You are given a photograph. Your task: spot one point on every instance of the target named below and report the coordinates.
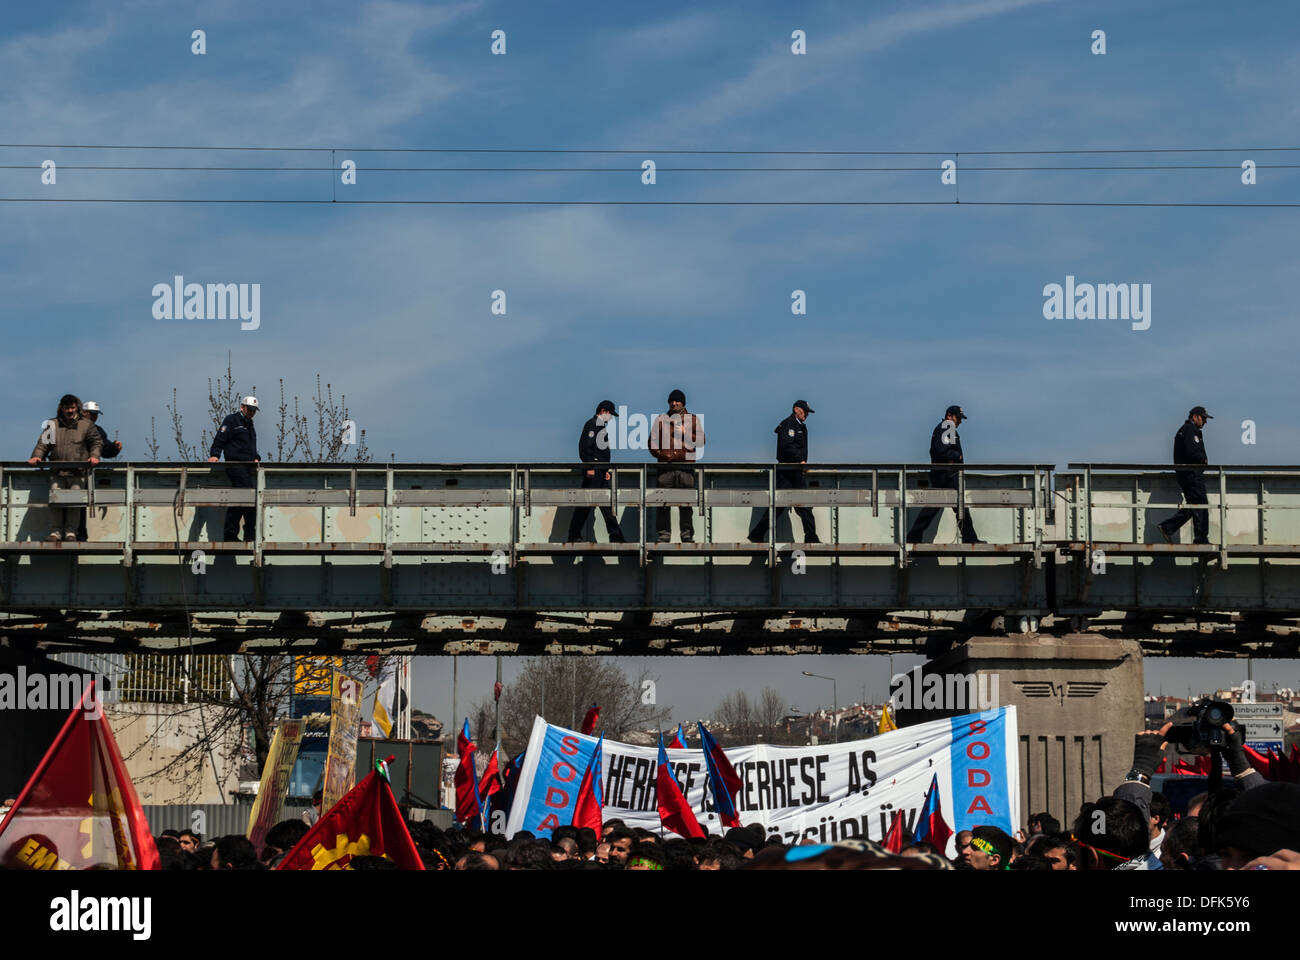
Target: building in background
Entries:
(166, 712)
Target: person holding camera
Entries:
(1115, 832)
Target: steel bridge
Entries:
(436, 558)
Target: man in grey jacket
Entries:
(69, 437)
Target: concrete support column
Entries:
(1078, 703)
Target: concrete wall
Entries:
(151, 738)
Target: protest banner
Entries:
(269, 803)
(827, 792)
(345, 724)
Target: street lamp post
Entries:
(835, 701)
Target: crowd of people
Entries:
(1247, 823)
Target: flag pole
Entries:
(497, 691)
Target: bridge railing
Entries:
(144, 507)
(1118, 506)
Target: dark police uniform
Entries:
(593, 447)
(109, 450)
(791, 447)
(1189, 447)
(237, 439)
(941, 452)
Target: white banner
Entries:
(828, 792)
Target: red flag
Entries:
(366, 822)
(1200, 768)
(79, 809)
(587, 809)
(897, 838)
(674, 812)
(931, 827)
(678, 741)
(469, 805)
(490, 782)
(589, 721)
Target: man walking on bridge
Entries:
(593, 447)
(1189, 447)
(674, 437)
(945, 447)
(791, 447)
(237, 438)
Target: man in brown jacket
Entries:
(674, 437)
(69, 437)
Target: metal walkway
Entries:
(449, 558)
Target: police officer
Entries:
(110, 449)
(593, 447)
(237, 439)
(791, 447)
(1189, 447)
(945, 447)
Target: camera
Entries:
(1199, 726)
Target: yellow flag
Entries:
(886, 722)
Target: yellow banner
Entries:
(345, 722)
(269, 804)
(314, 675)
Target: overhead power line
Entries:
(660, 151)
(661, 169)
(657, 203)
(1205, 154)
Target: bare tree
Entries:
(769, 711)
(299, 437)
(741, 720)
(734, 720)
(568, 685)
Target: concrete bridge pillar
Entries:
(1078, 702)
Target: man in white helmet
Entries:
(110, 449)
(237, 439)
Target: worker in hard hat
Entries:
(110, 449)
(237, 439)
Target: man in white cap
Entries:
(110, 449)
(237, 439)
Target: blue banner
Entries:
(981, 773)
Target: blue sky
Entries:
(910, 308)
